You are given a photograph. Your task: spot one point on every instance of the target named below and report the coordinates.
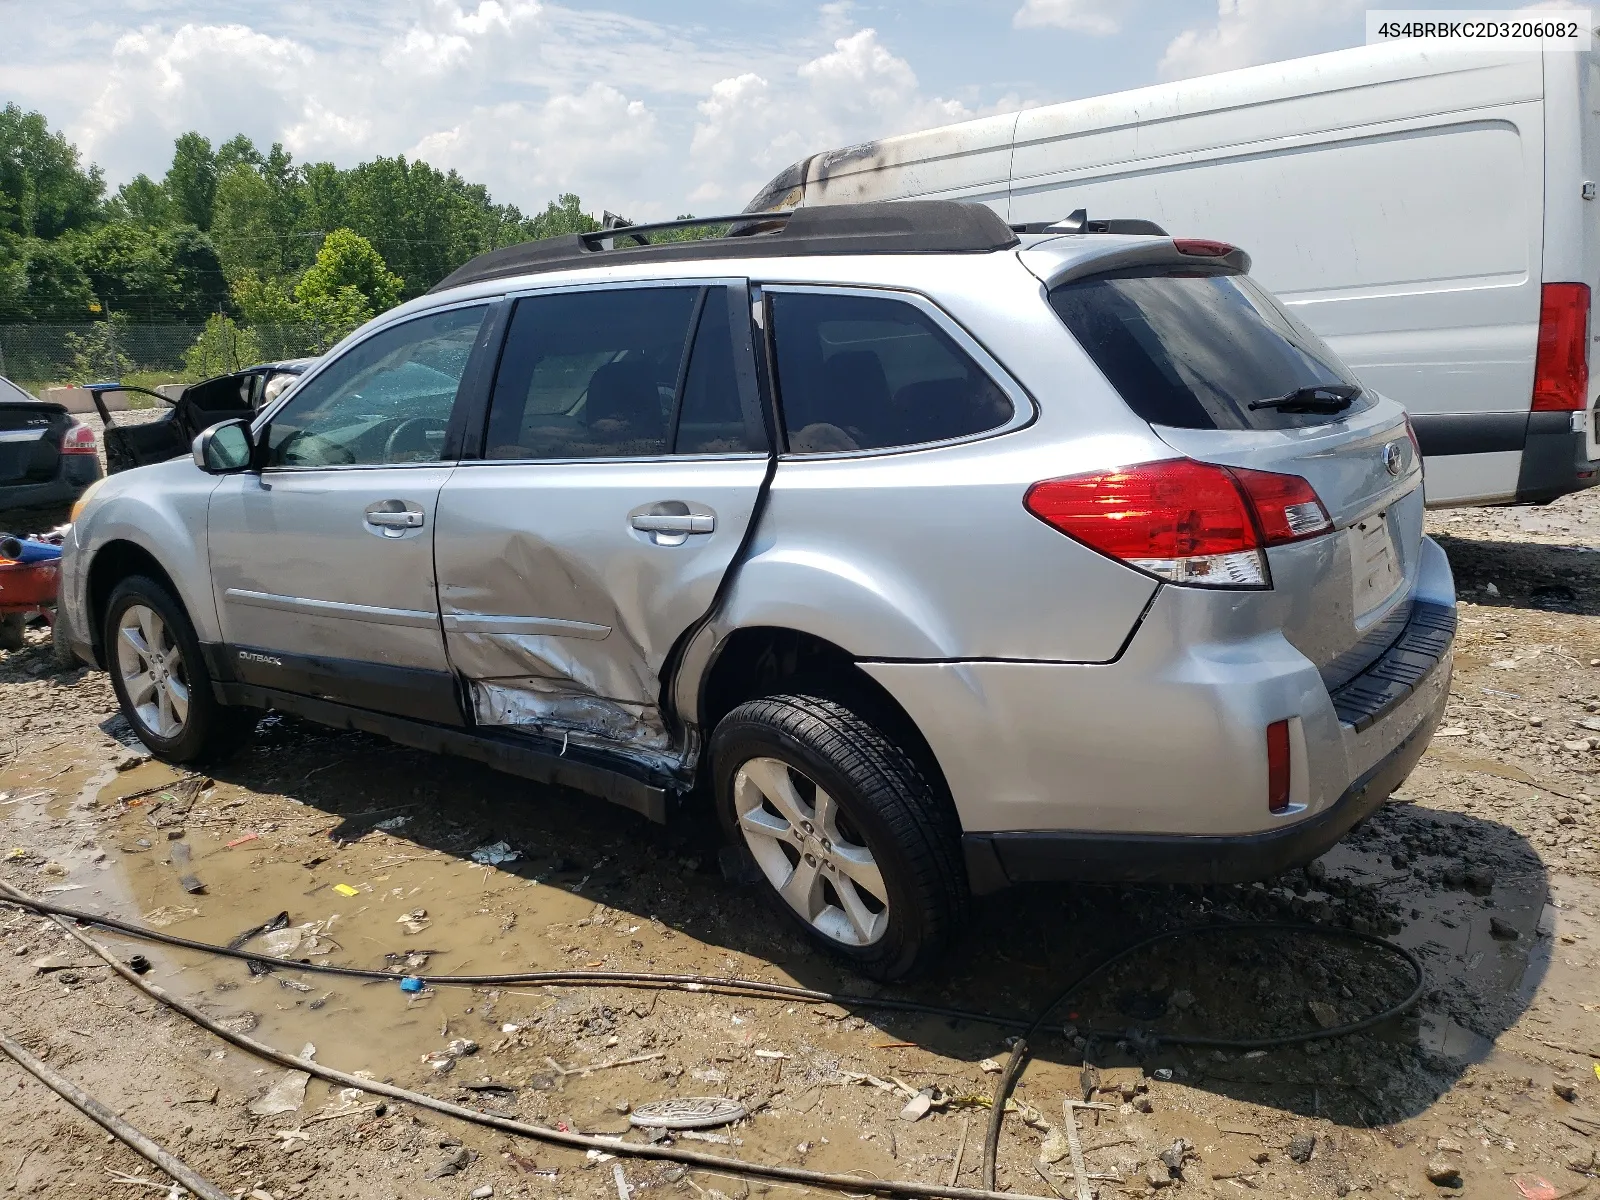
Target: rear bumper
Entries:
(1154, 767)
(998, 860)
(1555, 458)
(59, 492)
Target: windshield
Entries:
(1194, 349)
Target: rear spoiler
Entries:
(1056, 269)
(1078, 222)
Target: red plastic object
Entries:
(1561, 366)
(26, 587)
(1203, 247)
(1278, 767)
(1535, 1187)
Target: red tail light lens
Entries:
(1278, 767)
(79, 439)
(1203, 247)
(1184, 521)
(1561, 370)
(1286, 505)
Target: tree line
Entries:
(232, 230)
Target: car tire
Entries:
(160, 677)
(850, 841)
(61, 652)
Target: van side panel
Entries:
(970, 161)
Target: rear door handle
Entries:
(674, 523)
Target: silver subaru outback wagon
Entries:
(939, 555)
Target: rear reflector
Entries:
(1561, 368)
(1203, 247)
(79, 439)
(1183, 521)
(1278, 767)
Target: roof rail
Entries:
(1078, 222)
(897, 227)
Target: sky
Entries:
(645, 108)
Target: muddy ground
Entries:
(1486, 865)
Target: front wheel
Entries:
(160, 676)
(853, 843)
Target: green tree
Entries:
(40, 281)
(44, 191)
(170, 274)
(191, 180)
(222, 347)
(348, 260)
(565, 215)
(258, 222)
(143, 201)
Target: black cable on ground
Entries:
(780, 991)
(111, 1123)
(1013, 1069)
(900, 1189)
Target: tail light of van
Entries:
(1561, 368)
(79, 439)
(1187, 522)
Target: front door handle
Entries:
(674, 522)
(392, 518)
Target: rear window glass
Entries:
(869, 372)
(1194, 349)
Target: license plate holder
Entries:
(1374, 565)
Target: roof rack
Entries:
(899, 227)
(1078, 222)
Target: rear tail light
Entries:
(1183, 521)
(1203, 247)
(79, 439)
(1278, 767)
(1561, 369)
(1411, 432)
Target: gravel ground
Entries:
(1486, 865)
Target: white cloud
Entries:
(1099, 17)
(527, 96)
(751, 126)
(1247, 32)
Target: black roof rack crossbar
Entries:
(896, 227)
(595, 240)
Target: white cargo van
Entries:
(1431, 214)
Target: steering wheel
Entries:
(409, 436)
(305, 449)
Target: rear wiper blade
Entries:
(1321, 397)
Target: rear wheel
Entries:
(160, 677)
(852, 843)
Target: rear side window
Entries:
(622, 373)
(870, 372)
(1194, 349)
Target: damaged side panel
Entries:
(560, 611)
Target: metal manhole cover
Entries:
(687, 1112)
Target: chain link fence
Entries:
(35, 355)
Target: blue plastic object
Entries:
(411, 984)
(25, 550)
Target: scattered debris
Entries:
(688, 1112)
(287, 1095)
(494, 854)
(1302, 1147)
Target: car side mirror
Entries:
(225, 448)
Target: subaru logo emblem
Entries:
(1393, 458)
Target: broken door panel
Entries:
(625, 453)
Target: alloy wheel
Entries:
(810, 852)
(152, 670)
